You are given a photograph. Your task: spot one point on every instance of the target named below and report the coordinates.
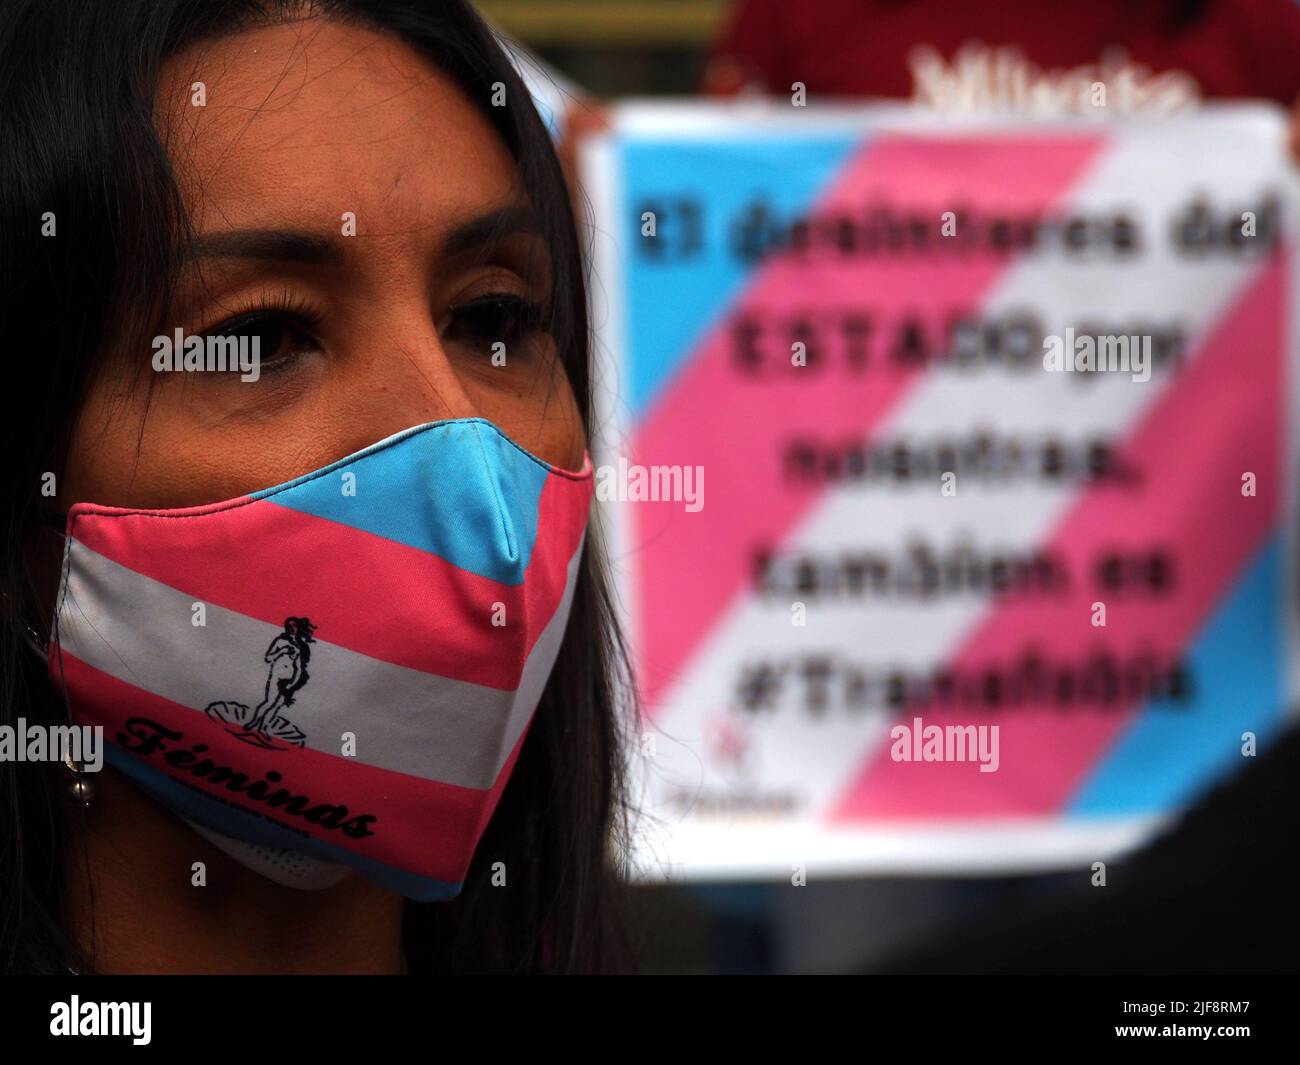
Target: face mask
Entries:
(337, 673)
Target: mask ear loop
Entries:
(34, 642)
(30, 636)
(57, 521)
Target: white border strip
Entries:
(705, 851)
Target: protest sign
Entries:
(948, 468)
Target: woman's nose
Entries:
(408, 375)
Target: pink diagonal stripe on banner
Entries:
(1221, 418)
(692, 566)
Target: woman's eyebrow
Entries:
(296, 246)
(269, 245)
(491, 227)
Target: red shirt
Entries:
(1231, 48)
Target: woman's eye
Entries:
(496, 317)
(275, 338)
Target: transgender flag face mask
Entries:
(337, 673)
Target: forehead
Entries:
(304, 121)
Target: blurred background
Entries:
(618, 47)
(1207, 894)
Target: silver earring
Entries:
(80, 788)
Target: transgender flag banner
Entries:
(948, 470)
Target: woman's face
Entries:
(304, 127)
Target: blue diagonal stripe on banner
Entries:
(673, 300)
(1236, 664)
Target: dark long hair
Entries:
(77, 138)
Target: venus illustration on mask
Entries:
(262, 725)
